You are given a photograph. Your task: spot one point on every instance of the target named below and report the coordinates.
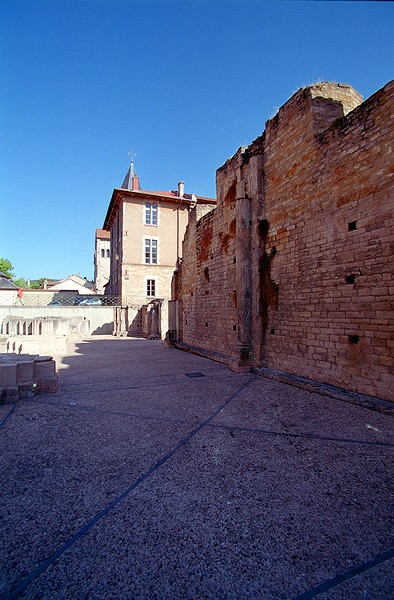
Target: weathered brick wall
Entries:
(330, 210)
(209, 304)
(293, 270)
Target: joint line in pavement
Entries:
(331, 583)
(7, 416)
(51, 559)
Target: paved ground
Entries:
(139, 480)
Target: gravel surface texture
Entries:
(157, 474)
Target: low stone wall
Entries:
(24, 375)
(97, 319)
(35, 344)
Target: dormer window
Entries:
(150, 214)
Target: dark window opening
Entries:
(352, 226)
(350, 279)
(151, 287)
(354, 339)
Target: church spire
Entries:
(131, 181)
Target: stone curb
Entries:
(326, 389)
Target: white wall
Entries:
(101, 318)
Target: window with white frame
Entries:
(151, 287)
(150, 251)
(150, 214)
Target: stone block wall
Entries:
(293, 271)
(77, 320)
(329, 205)
(209, 307)
(24, 375)
(149, 320)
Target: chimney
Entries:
(181, 189)
(135, 183)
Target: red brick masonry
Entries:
(293, 271)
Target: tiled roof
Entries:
(120, 194)
(7, 284)
(171, 195)
(102, 234)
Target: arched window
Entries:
(102, 253)
(108, 253)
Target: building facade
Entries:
(102, 259)
(146, 230)
(72, 283)
(292, 272)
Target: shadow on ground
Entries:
(154, 473)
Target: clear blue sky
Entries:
(182, 84)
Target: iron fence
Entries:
(57, 299)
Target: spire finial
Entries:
(132, 154)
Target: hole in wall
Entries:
(352, 226)
(263, 228)
(234, 327)
(350, 278)
(354, 339)
(273, 331)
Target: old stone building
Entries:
(293, 270)
(146, 230)
(102, 254)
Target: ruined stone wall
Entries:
(208, 267)
(329, 205)
(293, 270)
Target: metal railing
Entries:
(57, 299)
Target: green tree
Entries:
(22, 282)
(37, 284)
(6, 267)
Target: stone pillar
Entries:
(243, 278)
(144, 320)
(45, 375)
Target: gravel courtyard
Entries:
(157, 474)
